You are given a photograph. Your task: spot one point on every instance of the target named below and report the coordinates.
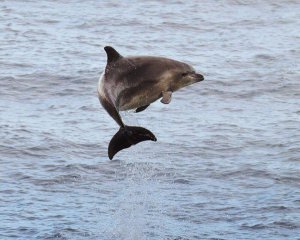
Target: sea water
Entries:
(227, 161)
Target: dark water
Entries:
(227, 161)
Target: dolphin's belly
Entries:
(133, 98)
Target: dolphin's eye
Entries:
(184, 74)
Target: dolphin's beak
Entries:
(198, 77)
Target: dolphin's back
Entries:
(132, 70)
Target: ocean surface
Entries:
(227, 161)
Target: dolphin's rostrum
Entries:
(135, 83)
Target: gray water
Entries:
(227, 161)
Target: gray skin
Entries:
(134, 83)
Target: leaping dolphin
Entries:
(134, 83)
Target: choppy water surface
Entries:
(227, 161)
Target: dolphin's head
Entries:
(185, 77)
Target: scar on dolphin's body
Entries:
(134, 83)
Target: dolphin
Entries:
(135, 82)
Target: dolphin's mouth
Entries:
(198, 77)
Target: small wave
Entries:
(265, 57)
(58, 180)
(275, 208)
(181, 181)
(286, 224)
(49, 21)
(34, 153)
(255, 226)
(67, 234)
(275, 224)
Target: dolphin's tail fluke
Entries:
(127, 136)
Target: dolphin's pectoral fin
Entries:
(141, 108)
(166, 97)
(127, 136)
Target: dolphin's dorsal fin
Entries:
(112, 54)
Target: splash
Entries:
(138, 212)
